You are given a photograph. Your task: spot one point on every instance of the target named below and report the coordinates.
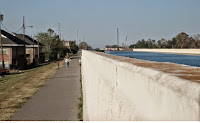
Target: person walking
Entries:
(67, 60)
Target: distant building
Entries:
(67, 43)
(13, 51)
(114, 49)
(102, 48)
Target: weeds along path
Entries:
(16, 89)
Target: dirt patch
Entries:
(16, 89)
(182, 71)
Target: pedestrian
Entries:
(67, 54)
(67, 60)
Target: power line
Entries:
(9, 30)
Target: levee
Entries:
(123, 89)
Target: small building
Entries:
(114, 49)
(13, 51)
(67, 43)
(32, 49)
(41, 49)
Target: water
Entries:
(192, 60)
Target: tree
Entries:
(141, 44)
(85, 46)
(132, 46)
(182, 38)
(56, 47)
(159, 44)
(74, 48)
(174, 42)
(53, 45)
(108, 46)
(197, 40)
(151, 43)
(162, 43)
(191, 43)
(196, 37)
(50, 31)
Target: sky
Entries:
(97, 20)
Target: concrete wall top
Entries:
(121, 88)
(182, 79)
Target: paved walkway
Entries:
(58, 99)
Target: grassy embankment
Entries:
(18, 88)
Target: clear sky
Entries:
(98, 20)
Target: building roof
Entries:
(8, 39)
(35, 41)
(28, 39)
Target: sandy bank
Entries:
(176, 51)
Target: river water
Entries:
(192, 60)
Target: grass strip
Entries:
(80, 106)
(17, 88)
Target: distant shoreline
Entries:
(173, 51)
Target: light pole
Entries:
(1, 19)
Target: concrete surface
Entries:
(115, 89)
(57, 100)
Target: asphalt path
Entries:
(57, 100)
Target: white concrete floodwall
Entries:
(179, 51)
(114, 90)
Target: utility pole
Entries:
(23, 26)
(126, 41)
(23, 29)
(59, 31)
(77, 37)
(3, 65)
(118, 38)
(33, 48)
(38, 52)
